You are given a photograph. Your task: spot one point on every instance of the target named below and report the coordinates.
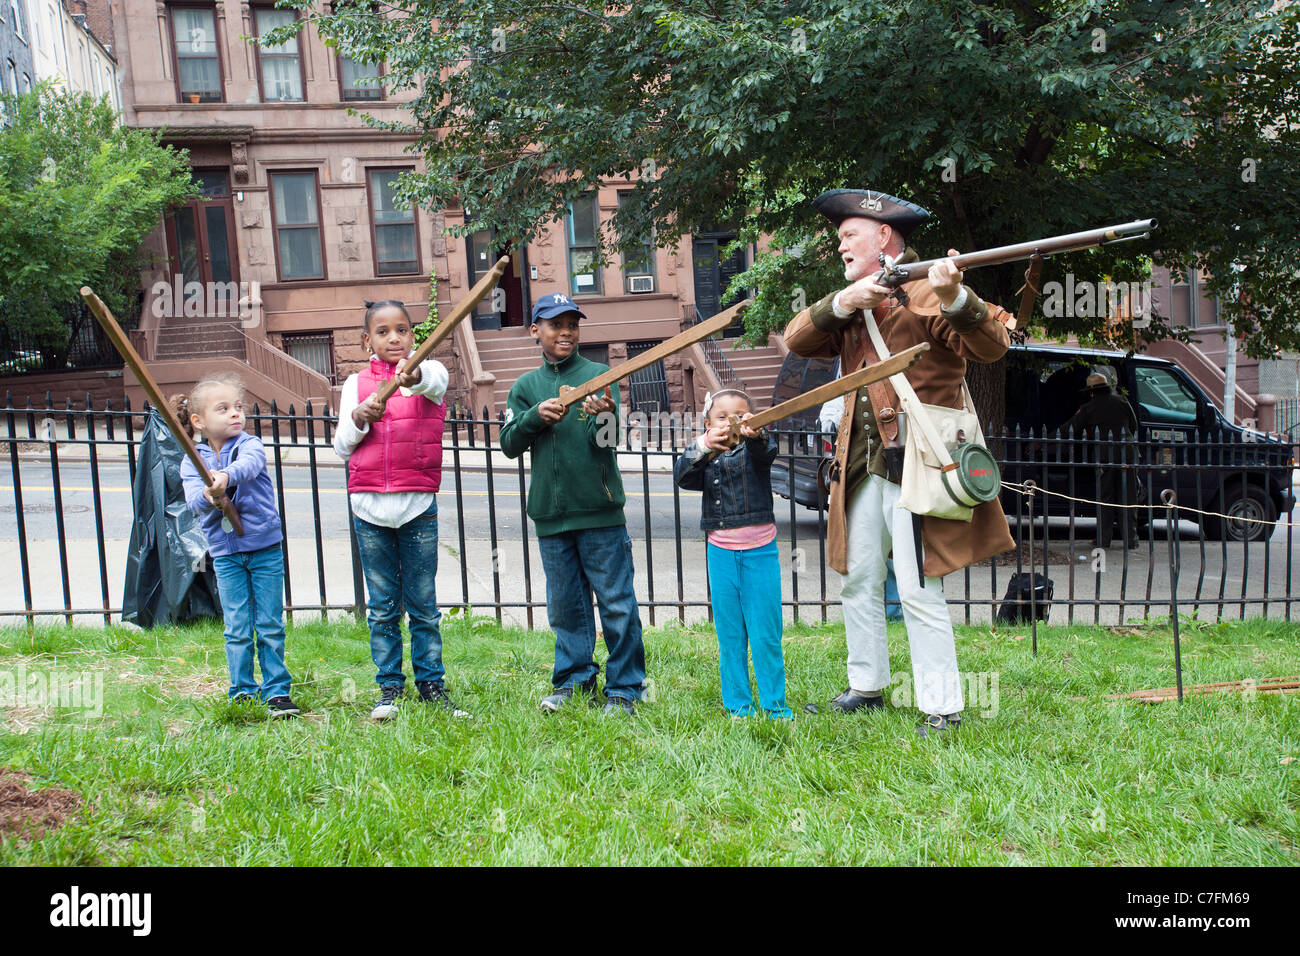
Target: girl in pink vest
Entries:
(394, 457)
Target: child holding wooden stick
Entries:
(249, 567)
(394, 455)
(744, 568)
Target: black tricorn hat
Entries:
(839, 204)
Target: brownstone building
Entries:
(298, 225)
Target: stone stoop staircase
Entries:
(181, 338)
(507, 353)
(758, 368)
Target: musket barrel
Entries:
(1071, 242)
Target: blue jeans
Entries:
(400, 565)
(251, 584)
(576, 564)
(893, 604)
(745, 590)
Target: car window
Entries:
(1163, 397)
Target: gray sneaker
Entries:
(562, 695)
(619, 706)
(389, 696)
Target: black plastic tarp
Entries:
(169, 576)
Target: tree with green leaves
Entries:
(78, 195)
(1008, 119)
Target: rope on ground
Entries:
(1020, 489)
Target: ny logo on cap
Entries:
(561, 297)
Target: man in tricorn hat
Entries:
(864, 520)
(1108, 420)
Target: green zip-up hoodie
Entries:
(575, 482)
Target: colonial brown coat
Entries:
(977, 332)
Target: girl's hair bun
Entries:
(367, 303)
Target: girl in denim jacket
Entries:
(744, 569)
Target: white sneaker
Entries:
(389, 697)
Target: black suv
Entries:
(1183, 440)
(794, 473)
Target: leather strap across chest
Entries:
(882, 397)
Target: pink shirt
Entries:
(743, 539)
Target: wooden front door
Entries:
(201, 239)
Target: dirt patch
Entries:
(1058, 552)
(28, 813)
(197, 685)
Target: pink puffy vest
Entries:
(403, 450)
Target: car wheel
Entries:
(1242, 502)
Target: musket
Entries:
(832, 389)
(895, 274)
(572, 394)
(445, 327)
(151, 389)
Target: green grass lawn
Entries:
(171, 774)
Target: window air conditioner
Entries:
(640, 283)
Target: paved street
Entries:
(467, 572)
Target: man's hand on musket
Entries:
(945, 279)
(865, 294)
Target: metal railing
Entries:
(71, 545)
(717, 359)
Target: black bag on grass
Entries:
(1019, 605)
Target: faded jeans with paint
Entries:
(400, 565)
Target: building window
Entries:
(639, 265)
(584, 232)
(1190, 305)
(295, 216)
(27, 84)
(313, 349)
(359, 81)
(17, 19)
(396, 244)
(281, 67)
(198, 65)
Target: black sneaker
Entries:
(850, 700)
(282, 706)
(434, 692)
(388, 698)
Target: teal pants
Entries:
(746, 598)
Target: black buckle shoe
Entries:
(850, 700)
(936, 725)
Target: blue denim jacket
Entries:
(737, 484)
(243, 458)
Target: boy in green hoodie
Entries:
(575, 498)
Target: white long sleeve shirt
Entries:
(388, 509)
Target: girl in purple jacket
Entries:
(394, 457)
(249, 568)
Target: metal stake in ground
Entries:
(1033, 585)
(1171, 523)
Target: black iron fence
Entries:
(79, 344)
(1223, 545)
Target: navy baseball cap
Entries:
(557, 303)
